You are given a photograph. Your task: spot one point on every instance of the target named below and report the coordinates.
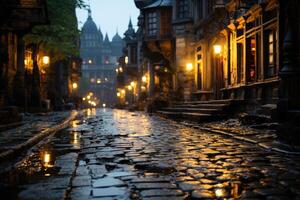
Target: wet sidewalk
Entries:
(265, 137)
(34, 128)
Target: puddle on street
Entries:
(39, 165)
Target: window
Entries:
(210, 4)
(251, 58)
(199, 7)
(199, 68)
(152, 24)
(271, 53)
(165, 24)
(182, 9)
(133, 55)
(240, 62)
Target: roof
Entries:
(117, 38)
(90, 26)
(159, 3)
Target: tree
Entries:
(60, 37)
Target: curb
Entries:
(9, 126)
(244, 139)
(35, 139)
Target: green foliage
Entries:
(60, 37)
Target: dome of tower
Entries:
(117, 38)
(89, 26)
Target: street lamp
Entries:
(132, 83)
(129, 87)
(217, 49)
(46, 60)
(189, 66)
(75, 86)
(126, 60)
(144, 79)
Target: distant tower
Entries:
(117, 45)
(130, 33)
(90, 47)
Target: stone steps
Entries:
(191, 110)
(198, 110)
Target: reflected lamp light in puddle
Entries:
(47, 159)
(75, 139)
(220, 192)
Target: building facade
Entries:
(100, 58)
(228, 49)
(17, 19)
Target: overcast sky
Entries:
(110, 15)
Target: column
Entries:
(289, 96)
(19, 82)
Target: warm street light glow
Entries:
(91, 94)
(104, 105)
(121, 69)
(90, 61)
(132, 83)
(98, 81)
(83, 98)
(143, 88)
(117, 70)
(189, 66)
(217, 49)
(88, 97)
(118, 94)
(129, 87)
(123, 91)
(144, 79)
(75, 85)
(126, 60)
(46, 60)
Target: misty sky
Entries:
(110, 15)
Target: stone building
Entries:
(155, 48)
(100, 57)
(127, 71)
(226, 50)
(16, 20)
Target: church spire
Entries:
(106, 40)
(130, 24)
(89, 13)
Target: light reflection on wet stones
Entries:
(159, 159)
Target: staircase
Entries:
(199, 111)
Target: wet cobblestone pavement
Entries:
(33, 124)
(116, 154)
(135, 156)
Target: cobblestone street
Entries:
(128, 155)
(117, 154)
